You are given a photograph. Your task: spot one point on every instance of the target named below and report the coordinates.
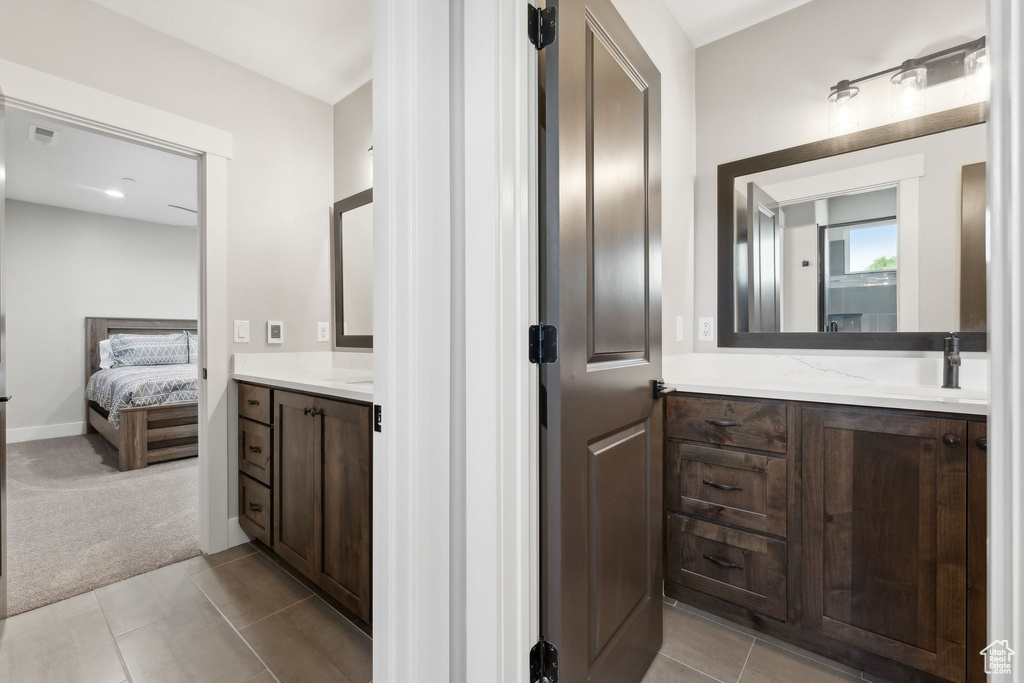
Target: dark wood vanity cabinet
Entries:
(854, 532)
(314, 501)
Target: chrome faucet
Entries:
(951, 361)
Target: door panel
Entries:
(3, 375)
(296, 481)
(601, 480)
(617, 227)
(345, 554)
(763, 248)
(885, 546)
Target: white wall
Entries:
(353, 135)
(63, 266)
(280, 177)
(765, 88)
(666, 44)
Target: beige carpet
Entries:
(76, 523)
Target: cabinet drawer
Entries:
(254, 511)
(255, 450)
(254, 403)
(746, 424)
(742, 489)
(741, 567)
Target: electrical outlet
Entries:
(323, 332)
(705, 329)
(242, 331)
(679, 328)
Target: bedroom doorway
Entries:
(102, 283)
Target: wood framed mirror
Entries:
(352, 271)
(866, 241)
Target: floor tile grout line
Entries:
(688, 666)
(274, 614)
(336, 611)
(746, 660)
(173, 611)
(860, 674)
(222, 564)
(237, 632)
(110, 630)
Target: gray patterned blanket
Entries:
(143, 385)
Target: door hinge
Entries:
(543, 663)
(376, 418)
(204, 373)
(542, 25)
(543, 344)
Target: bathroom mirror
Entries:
(872, 240)
(352, 271)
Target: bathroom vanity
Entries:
(856, 532)
(305, 468)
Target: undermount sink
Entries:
(935, 392)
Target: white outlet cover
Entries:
(242, 331)
(705, 328)
(323, 332)
(275, 332)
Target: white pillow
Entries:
(106, 355)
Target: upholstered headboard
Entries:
(98, 329)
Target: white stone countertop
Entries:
(325, 374)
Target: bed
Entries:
(148, 412)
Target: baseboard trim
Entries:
(21, 434)
(235, 534)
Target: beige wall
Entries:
(280, 179)
(666, 44)
(353, 135)
(64, 265)
(765, 88)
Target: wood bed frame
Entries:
(147, 434)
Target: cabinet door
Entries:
(296, 481)
(344, 567)
(884, 544)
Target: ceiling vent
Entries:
(44, 136)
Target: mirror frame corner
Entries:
(728, 337)
(344, 342)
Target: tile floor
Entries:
(226, 618)
(702, 648)
(237, 617)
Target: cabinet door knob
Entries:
(723, 423)
(307, 411)
(951, 440)
(253, 449)
(255, 507)
(983, 443)
(722, 487)
(253, 402)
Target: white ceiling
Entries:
(76, 172)
(318, 47)
(705, 21)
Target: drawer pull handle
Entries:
(724, 564)
(255, 507)
(983, 443)
(253, 449)
(951, 440)
(722, 487)
(253, 402)
(723, 423)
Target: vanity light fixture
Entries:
(910, 80)
(843, 108)
(117, 194)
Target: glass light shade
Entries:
(908, 89)
(843, 108)
(976, 75)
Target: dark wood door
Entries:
(601, 480)
(3, 378)
(345, 560)
(297, 481)
(885, 534)
(764, 285)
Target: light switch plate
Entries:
(241, 331)
(323, 332)
(705, 329)
(275, 332)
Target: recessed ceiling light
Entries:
(116, 193)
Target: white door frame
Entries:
(1006, 329)
(36, 91)
(455, 505)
